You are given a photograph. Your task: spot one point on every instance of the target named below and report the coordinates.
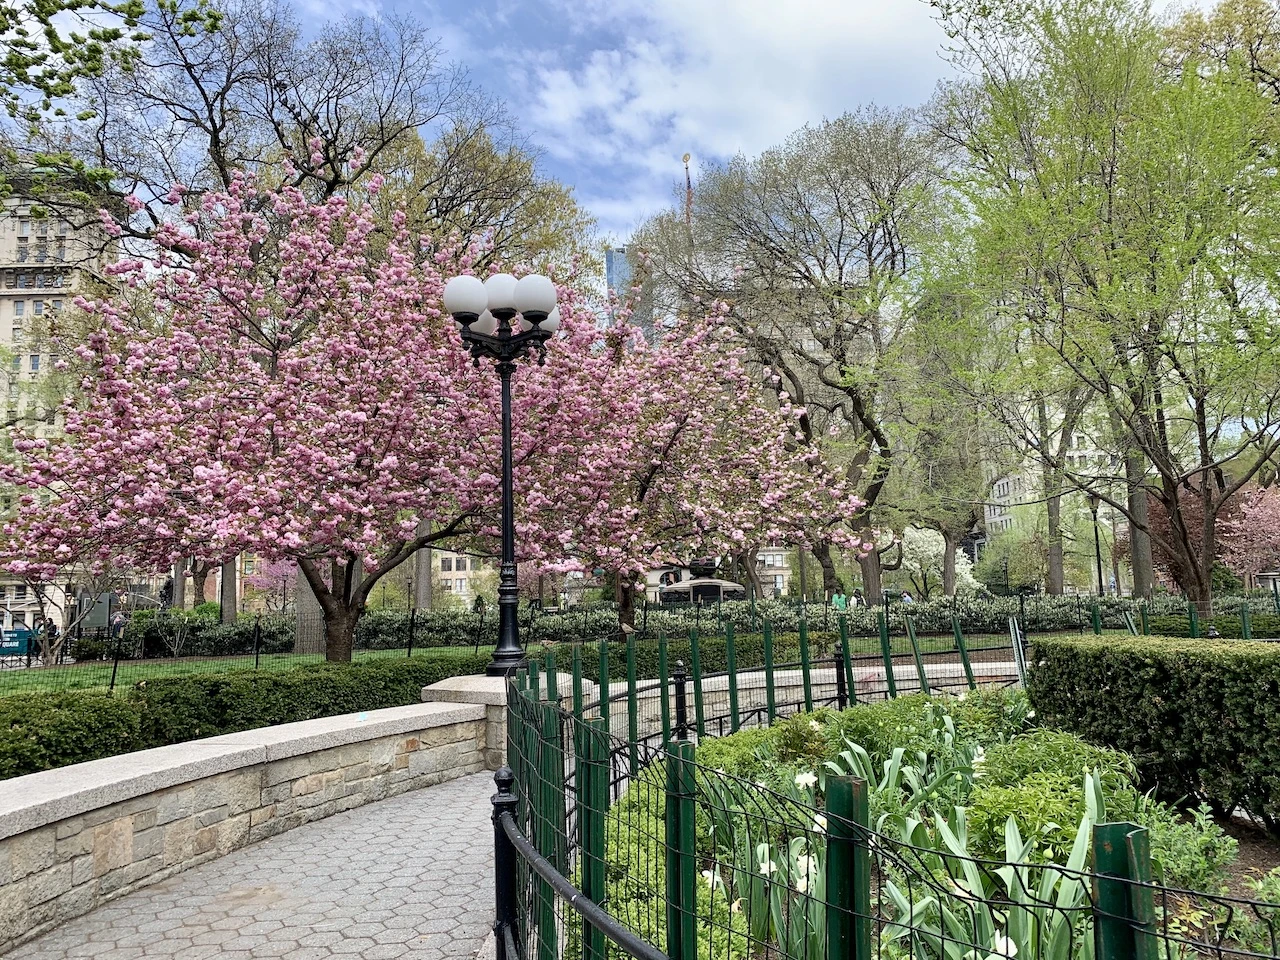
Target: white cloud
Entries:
(716, 77)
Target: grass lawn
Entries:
(95, 675)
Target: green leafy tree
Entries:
(1122, 220)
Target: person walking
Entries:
(838, 601)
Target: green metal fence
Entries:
(613, 840)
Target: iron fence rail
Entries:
(612, 840)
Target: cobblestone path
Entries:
(409, 877)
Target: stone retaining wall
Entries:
(77, 836)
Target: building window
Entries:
(17, 364)
(37, 307)
(446, 564)
(446, 585)
(24, 228)
(19, 308)
(20, 592)
(462, 584)
(24, 280)
(462, 565)
(23, 250)
(61, 251)
(35, 363)
(57, 306)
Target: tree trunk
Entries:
(872, 587)
(1140, 559)
(229, 598)
(748, 566)
(340, 633)
(625, 593)
(1054, 577)
(822, 553)
(422, 573)
(199, 580)
(180, 585)
(948, 564)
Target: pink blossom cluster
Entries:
(316, 405)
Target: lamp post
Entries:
(1094, 500)
(506, 320)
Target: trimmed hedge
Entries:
(41, 731)
(1228, 627)
(712, 651)
(1199, 717)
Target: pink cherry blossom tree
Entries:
(280, 383)
(1250, 539)
(698, 462)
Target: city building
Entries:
(458, 575)
(47, 256)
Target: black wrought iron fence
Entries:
(613, 840)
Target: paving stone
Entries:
(408, 878)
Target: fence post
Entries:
(805, 665)
(1123, 906)
(964, 651)
(771, 698)
(605, 705)
(695, 656)
(553, 682)
(1144, 612)
(593, 775)
(1019, 655)
(1193, 620)
(882, 621)
(848, 869)
(505, 874)
(115, 663)
(549, 832)
(1095, 616)
(682, 854)
(664, 691)
(577, 682)
(633, 712)
(915, 652)
(257, 641)
(413, 623)
(846, 662)
(1246, 627)
(680, 678)
(731, 666)
(842, 690)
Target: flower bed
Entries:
(981, 839)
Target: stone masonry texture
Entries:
(409, 877)
(66, 868)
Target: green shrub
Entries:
(41, 731)
(1190, 852)
(1197, 716)
(1047, 807)
(1227, 625)
(746, 754)
(1060, 754)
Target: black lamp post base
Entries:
(505, 668)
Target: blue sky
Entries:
(613, 92)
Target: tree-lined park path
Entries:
(410, 877)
